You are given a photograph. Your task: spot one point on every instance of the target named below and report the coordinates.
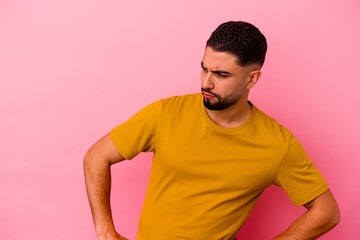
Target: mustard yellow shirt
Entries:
(206, 179)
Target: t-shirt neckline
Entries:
(208, 120)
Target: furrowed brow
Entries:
(217, 71)
(221, 72)
(202, 65)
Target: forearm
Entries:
(315, 222)
(98, 185)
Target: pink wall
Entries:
(72, 70)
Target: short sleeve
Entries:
(298, 176)
(138, 134)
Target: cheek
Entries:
(231, 88)
(202, 76)
(228, 86)
(241, 85)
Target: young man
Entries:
(214, 154)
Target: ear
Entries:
(253, 77)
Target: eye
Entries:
(221, 75)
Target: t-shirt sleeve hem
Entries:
(115, 139)
(311, 195)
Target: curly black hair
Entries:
(241, 39)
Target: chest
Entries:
(198, 154)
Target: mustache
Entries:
(209, 92)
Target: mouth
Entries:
(208, 96)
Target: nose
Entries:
(207, 80)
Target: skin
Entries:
(223, 78)
(97, 162)
(322, 215)
(234, 85)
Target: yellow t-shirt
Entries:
(206, 179)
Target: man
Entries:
(214, 154)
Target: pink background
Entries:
(70, 71)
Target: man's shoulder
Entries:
(270, 125)
(184, 97)
(181, 100)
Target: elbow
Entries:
(335, 219)
(87, 158)
(332, 217)
(87, 162)
(90, 160)
(93, 159)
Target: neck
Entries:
(234, 116)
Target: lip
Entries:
(208, 95)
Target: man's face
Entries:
(223, 81)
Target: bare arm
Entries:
(97, 162)
(322, 215)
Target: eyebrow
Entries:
(216, 71)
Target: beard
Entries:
(222, 102)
